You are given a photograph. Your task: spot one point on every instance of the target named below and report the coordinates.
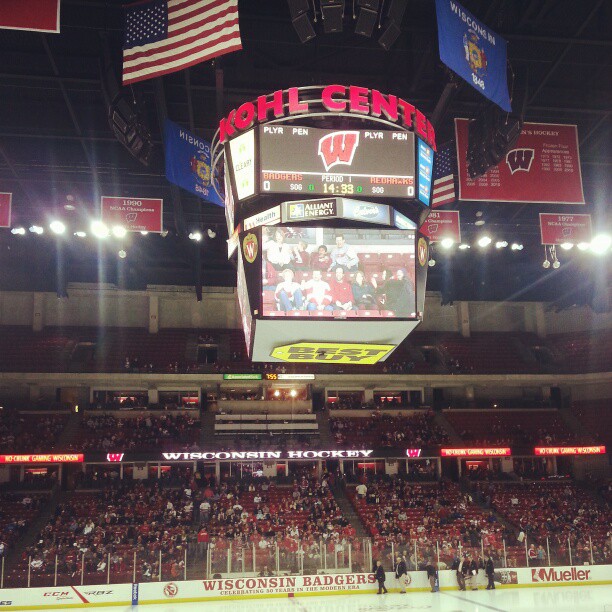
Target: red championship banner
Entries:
(135, 214)
(543, 167)
(559, 229)
(5, 209)
(442, 224)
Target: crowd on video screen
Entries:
(323, 270)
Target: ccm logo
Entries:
(56, 594)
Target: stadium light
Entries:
(432, 262)
(583, 246)
(601, 244)
(211, 233)
(144, 233)
(36, 229)
(57, 227)
(447, 243)
(119, 231)
(464, 246)
(293, 393)
(484, 241)
(501, 244)
(80, 234)
(566, 246)
(122, 254)
(99, 229)
(197, 236)
(19, 231)
(516, 246)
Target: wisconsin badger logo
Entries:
(519, 159)
(338, 148)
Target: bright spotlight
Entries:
(293, 393)
(556, 264)
(119, 231)
(211, 233)
(501, 244)
(80, 234)
(484, 241)
(432, 263)
(566, 246)
(99, 229)
(583, 246)
(516, 246)
(601, 243)
(546, 264)
(36, 229)
(464, 247)
(122, 254)
(57, 227)
(447, 243)
(19, 231)
(144, 233)
(197, 236)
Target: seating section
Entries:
(92, 526)
(380, 430)
(596, 417)
(29, 432)
(144, 433)
(17, 511)
(510, 427)
(582, 352)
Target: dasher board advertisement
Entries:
(313, 161)
(542, 168)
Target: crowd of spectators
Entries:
(383, 430)
(17, 511)
(109, 433)
(29, 432)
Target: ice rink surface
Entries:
(548, 599)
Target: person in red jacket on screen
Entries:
(341, 291)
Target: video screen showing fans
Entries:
(338, 273)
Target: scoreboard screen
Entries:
(354, 163)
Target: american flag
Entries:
(443, 191)
(163, 36)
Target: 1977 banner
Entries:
(135, 214)
(5, 209)
(543, 167)
(560, 229)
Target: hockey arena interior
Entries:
(305, 304)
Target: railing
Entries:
(225, 558)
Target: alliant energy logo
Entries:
(520, 160)
(338, 148)
(550, 574)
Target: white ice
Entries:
(548, 599)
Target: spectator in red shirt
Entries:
(341, 291)
(321, 259)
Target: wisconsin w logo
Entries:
(519, 159)
(338, 148)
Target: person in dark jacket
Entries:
(401, 573)
(379, 574)
(399, 292)
(472, 573)
(432, 575)
(490, 572)
(458, 566)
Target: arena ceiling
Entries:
(56, 146)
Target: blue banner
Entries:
(473, 51)
(188, 162)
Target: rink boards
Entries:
(251, 587)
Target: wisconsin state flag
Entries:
(33, 15)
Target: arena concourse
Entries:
(147, 456)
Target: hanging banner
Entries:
(474, 51)
(442, 224)
(188, 162)
(560, 229)
(5, 209)
(135, 214)
(543, 168)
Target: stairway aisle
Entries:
(348, 511)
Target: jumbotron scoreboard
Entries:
(325, 191)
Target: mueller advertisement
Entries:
(441, 224)
(5, 209)
(561, 229)
(329, 272)
(134, 214)
(543, 167)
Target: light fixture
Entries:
(57, 227)
(293, 393)
(601, 243)
(19, 231)
(546, 263)
(583, 246)
(479, 222)
(501, 244)
(119, 231)
(36, 229)
(566, 246)
(464, 246)
(211, 233)
(163, 233)
(447, 243)
(556, 264)
(197, 236)
(99, 229)
(432, 262)
(277, 393)
(484, 241)
(144, 233)
(122, 254)
(516, 246)
(80, 234)
(69, 207)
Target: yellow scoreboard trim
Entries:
(332, 352)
